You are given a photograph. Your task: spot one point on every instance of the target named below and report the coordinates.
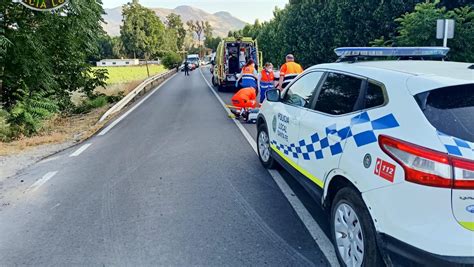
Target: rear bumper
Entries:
(396, 248)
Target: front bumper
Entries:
(397, 249)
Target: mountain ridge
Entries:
(222, 22)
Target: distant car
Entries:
(387, 147)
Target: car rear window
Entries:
(450, 110)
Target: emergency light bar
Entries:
(344, 52)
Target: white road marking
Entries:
(43, 180)
(80, 150)
(311, 225)
(108, 128)
(49, 159)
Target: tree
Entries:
(142, 33)
(171, 60)
(196, 27)
(201, 29)
(418, 29)
(44, 57)
(212, 43)
(174, 22)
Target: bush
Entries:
(26, 116)
(171, 60)
(5, 130)
(89, 104)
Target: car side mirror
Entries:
(273, 95)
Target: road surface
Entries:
(175, 182)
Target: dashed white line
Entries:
(108, 128)
(311, 225)
(80, 150)
(43, 180)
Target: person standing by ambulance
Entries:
(248, 76)
(289, 71)
(267, 80)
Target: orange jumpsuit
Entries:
(245, 98)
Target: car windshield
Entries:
(450, 110)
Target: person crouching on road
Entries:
(244, 100)
(267, 80)
(248, 76)
(289, 71)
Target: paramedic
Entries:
(289, 71)
(267, 80)
(248, 76)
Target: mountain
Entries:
(221, 22)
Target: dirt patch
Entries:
(59, 133)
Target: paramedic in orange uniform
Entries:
(267, 80)
(245, 98)
(248, 75)
(289, 71)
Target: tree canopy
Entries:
(311, 29)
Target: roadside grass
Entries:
(131, 73)
(81, 125)
(59, 129)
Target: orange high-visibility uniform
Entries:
(245, 98)
(289, 71)
(267, 77)
(248, 77)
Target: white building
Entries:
(117, 62)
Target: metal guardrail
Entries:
(140, 90)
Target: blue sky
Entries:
(242, 9)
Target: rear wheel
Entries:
(263, 147)
(352, 230)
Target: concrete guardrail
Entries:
(140, 90)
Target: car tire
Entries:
(263, 148)
(352, 229)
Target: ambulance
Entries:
(227, 63)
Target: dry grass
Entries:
(115, 89)
(58, 130)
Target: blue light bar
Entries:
(391, 51)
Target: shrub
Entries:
(171, 60)
(26, 116)
(90, 104)
(5, 129)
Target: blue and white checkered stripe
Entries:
(318, 146)
(456, 146)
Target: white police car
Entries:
(388, 147)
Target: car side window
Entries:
(301, 92)
(339, 94)
(374, 96)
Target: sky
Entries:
(245, 10)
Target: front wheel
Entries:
(264, 149)
(352, 230)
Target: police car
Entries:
(387, 147)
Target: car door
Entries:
(296, 100)
(324, 130)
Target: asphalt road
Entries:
(174, 183)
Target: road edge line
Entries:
(319, 237)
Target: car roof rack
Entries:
(354, 54)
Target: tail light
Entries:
(463, 173)
(422, 166)
(429, 167)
